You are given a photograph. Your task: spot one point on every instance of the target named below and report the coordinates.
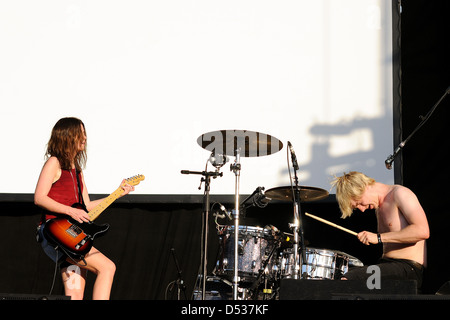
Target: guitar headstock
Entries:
(134, 181)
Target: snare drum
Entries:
(319, 264)
(256, 251)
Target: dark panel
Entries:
(16, 296)
(291, 289)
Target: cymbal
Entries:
(306, 193)
(249, 143)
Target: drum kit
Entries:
(253, 260)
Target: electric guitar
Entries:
(76, 238)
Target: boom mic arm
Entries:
(391, 158)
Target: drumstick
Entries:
(331, 224)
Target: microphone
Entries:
(257, 199)
(222, 209)
(391, 158)
(227, 213)
(260, 200)
(218, 160)
(294, 158)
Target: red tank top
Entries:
(65, 190)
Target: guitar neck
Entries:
(94, 213)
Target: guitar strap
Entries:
(80, 195)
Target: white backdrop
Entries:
(149, 77)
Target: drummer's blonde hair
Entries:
(350, 187)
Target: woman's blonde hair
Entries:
(350, 187)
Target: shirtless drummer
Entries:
(402, 226)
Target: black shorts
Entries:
(55, 253)
(392, 269)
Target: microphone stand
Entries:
(207, 180)
(391, 157)
(179, 281)
(297, 226)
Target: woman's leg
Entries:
(96, 262)
(74, 280)
(105, 269)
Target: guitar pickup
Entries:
(74, 231)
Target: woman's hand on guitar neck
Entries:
(127, 188)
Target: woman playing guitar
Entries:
(60, 185)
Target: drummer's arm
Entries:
(417, 228)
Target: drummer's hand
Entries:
(367, 237)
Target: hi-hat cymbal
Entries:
(306, 193)
(249, 143)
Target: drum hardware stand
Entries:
(179, 282)
(236, 168)
(207, 180)
(261, 272)
(253, 141)
(297, 226)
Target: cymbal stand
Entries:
(207, 180)
(236, 168)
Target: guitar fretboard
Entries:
(94, 213)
